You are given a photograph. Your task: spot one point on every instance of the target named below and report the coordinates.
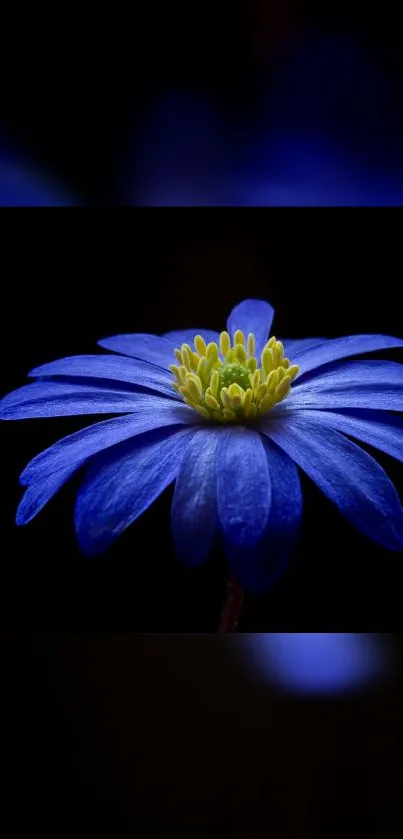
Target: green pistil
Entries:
(233, 373)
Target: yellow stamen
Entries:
(202, 411)
(212, 352)
(293, 371)
(214, 383)
(223, 382)
(240, 353)
(200, 345)
(186, 355)
(277, 353)
(197, 383)
(225, 398)
(239, 337)
(251, 345)
(201, 367)
(272, 379)
(255, 379)
(282, 390)
(182, 373)
(267, 359)
(266, 403)
(248, 398)
(212, 402)
(261, 392)
(225, 343)
(175, 370)
(235, 390)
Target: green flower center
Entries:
(234, 373)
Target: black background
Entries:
(75, 276)
(149, 735)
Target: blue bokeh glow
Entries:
(316, 662)
(322, 126)
(24, 185)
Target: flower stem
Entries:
(232, 607)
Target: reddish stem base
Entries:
(232, 607)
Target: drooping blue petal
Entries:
(187, 336)
(150, 348)
(63, 399)
(49, 470)
(152, 412)
(252, 316)
(112, 367)
(286, 506)
(257, 568)
(294, 346)
(378, 428)
(356, 384)
(333, 349)
(194, 507)
(243, 486)
(350, 477)
(122, 482)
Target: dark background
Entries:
(152, 735)
(75, 276)
(76, 89)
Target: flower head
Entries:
(229, 417)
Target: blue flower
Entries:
(230, 422)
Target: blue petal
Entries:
(62, 399)
(335, 348)
(194, 506)
(49, 470)
(151, 348)
(259, 567)
(243, 486)
(286, 506)
(113, 367)
(187, 336)
(122, 483)
(357, 384)
(293, 347)
(379, 429)
(252, 316)
(350, 477)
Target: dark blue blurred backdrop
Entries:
(264, 103)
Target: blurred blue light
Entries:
(338, 88)
(316, 662)
(304, 171)
(322, 126)
(22, 185)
